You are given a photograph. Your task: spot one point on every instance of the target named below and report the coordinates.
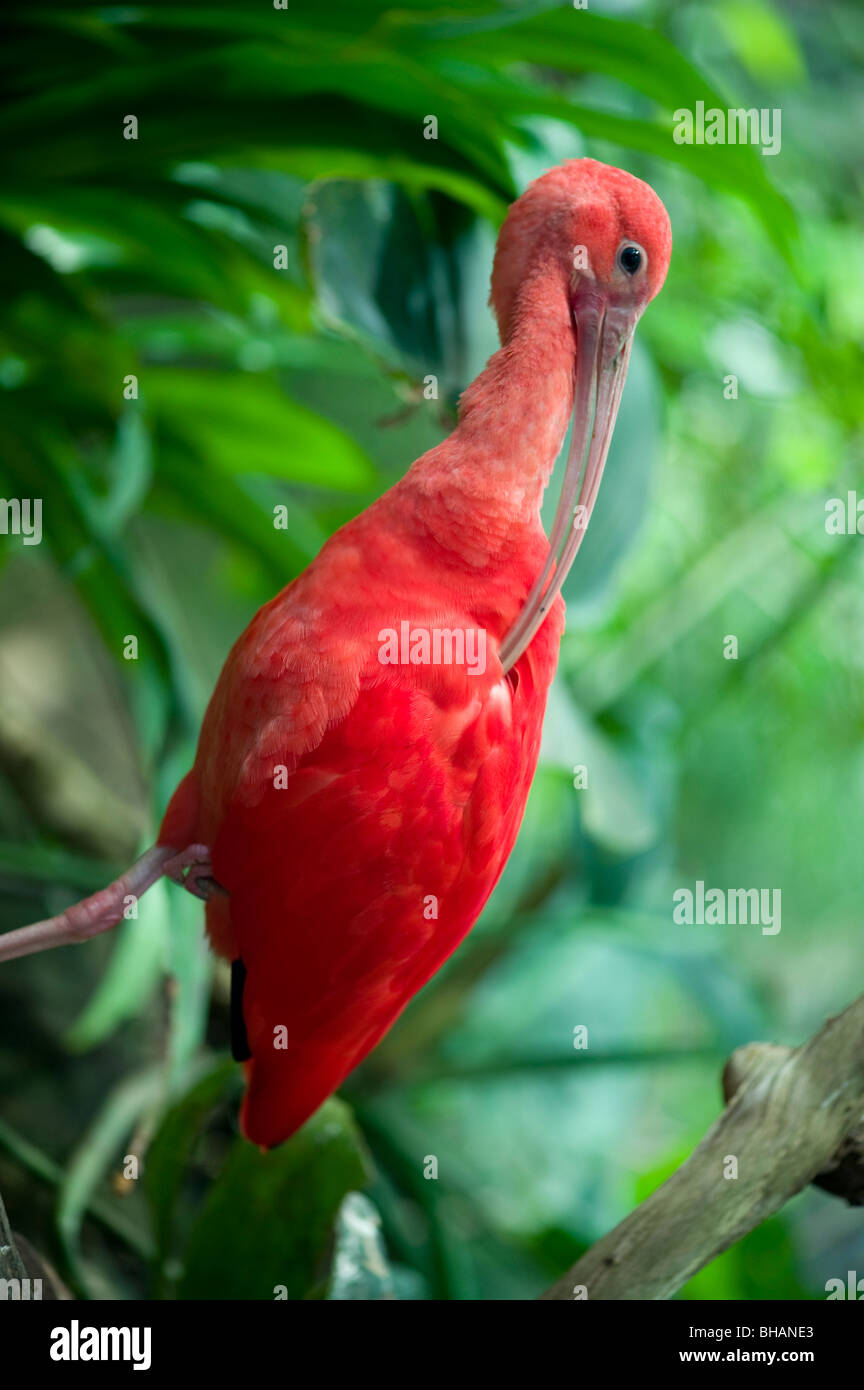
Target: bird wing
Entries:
(358, 815)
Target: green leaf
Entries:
(245, 424)
(44, 864)
(615, 809)
(169, 1152)
(130, 471)
(267, 1221)
(99, 1147)
(572, 41)
(190, 971)
(763, 40)
(385, 264)
(731, 168)
(132, 974)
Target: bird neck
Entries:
(480, 489)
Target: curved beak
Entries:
(604, 335)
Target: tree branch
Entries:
(11, 1263)
(795, 1115)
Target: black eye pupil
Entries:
(631, 259)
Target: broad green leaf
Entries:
(576, 41)
(614, 808)
(266, 1224)
(387, 266)
(732, 168)
(170, 1150)
(243, 424)
(229, 510)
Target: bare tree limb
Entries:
(11, 1263)
(21, 1263)
(795, 1116)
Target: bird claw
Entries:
(192, 870)
(202, 884)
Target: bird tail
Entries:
(282, 1092)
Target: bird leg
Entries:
(105, 909)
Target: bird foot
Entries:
(100, 912)
(192, 870)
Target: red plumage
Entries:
(404, 783)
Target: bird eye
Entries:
(631, 257)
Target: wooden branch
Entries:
(11, 1263)
(21, 1263)
(795, 1116)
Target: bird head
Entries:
(604, 238)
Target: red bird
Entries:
(366, 756)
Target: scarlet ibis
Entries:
(353, 799)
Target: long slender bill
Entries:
(604, 337)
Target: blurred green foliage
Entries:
(300, 386)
